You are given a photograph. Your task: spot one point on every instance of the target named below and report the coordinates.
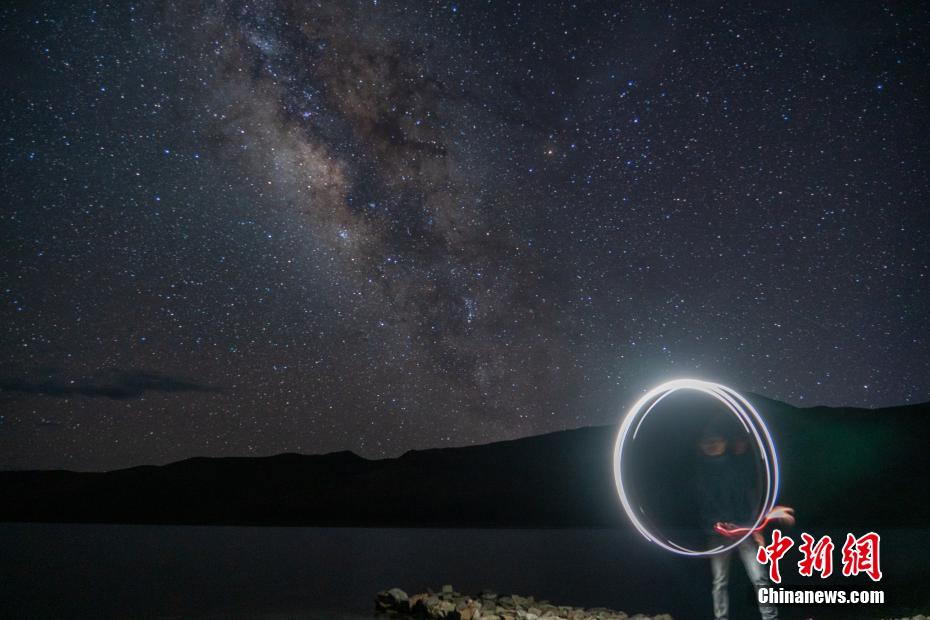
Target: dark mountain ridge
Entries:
(840, 467)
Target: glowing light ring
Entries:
(743, 411)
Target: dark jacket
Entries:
(722, 491)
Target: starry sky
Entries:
(243, 228)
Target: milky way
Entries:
(254, 227)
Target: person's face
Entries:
(713, 446)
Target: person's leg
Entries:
(756, 571)
(720, 571)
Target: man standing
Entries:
(725, 498)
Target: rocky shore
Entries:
(451, 605)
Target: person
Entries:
(725, 498)
(738, 447)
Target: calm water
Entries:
(125, 571)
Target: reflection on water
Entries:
(124, 571)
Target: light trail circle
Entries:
(751, 422)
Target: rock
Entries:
(446, 609)
(394, 599)
(471, 610)
(448, 604)
(420, 610)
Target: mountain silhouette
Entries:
(841, 467)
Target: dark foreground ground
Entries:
(134, 571)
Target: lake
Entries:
(144, 571)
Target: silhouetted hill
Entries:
(840, 466)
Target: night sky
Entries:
(245, 228)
